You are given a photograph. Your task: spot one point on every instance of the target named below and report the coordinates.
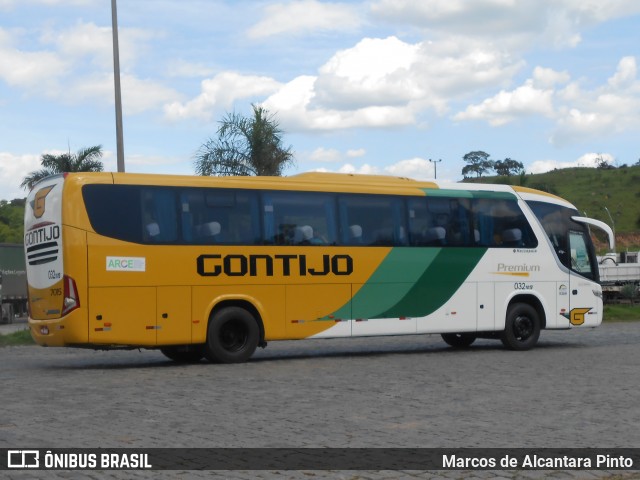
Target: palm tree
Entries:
(85, 160)
(245, 146)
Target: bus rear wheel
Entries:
(184, 353)
(522, 327)
(232, 336)
(459, 340)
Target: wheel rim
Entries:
(523, 327)
(233, 336)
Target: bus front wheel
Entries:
(522, 327)
(458, 340)
(232, 336)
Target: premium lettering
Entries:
(502, 267)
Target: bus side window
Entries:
(159, 215)
(219, 216)
(299, 218)
(501, 223)
(372, 220)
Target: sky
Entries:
(378, 86)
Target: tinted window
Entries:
(299, 218)
(436, 221)
(212, 216)
(466, 222)
(143, 214)
(501, 223)
(115, 211)
(372, 220)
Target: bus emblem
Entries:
(38, 203)
(576, 316)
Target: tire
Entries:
(232, 336)
(184, 353)
(522, 327)
(459, 340)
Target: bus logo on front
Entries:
(38, 204)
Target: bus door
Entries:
(173, 324)
(584, 302)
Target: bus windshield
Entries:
(570, 240)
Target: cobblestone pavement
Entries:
(576, 389)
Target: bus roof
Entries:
(316, 181)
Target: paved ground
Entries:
(18, 324)
(577, 389)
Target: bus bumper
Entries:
(48, 333)
(60, 332)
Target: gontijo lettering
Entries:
(256, 265)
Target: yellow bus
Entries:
(216, 267)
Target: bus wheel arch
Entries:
(234, 331)
(524, 319)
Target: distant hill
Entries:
(591, 190)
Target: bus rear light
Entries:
(71, 300)
(44, 330)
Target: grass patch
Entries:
(621, 313)
(22, 337)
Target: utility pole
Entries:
(116, 81)
(435, 167)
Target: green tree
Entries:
(245, 146)
(85, 160)
(477, 162)
(508, 167)
(11, 221)
(602, 164)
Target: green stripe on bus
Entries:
(437, 284)
(389, 283)
(469, 194)
(412, 282)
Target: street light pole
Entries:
(435, 167)
(116, 81)
(613, 224)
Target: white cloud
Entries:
(13, 168)
(507, 106)
(416, 168)
(358, 152)
(544, 78)
(365, 169)
(34, 71)
(373, 72)
(304, 16)
(577, 113)
(590, 160)
(220, 91)
(609, 109)
(388, 82)
(513, 23)
(63, 73)
(325, 155)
